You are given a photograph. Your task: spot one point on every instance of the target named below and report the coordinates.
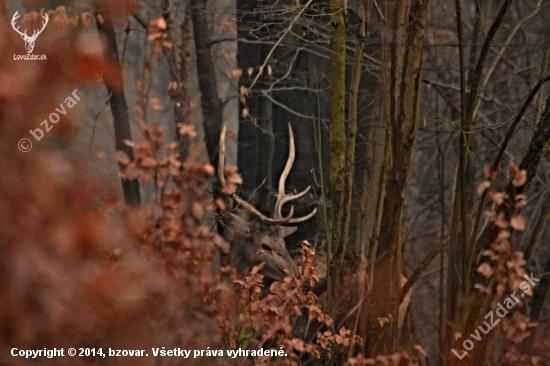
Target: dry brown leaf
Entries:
(521, 201)
(149, 162)
(208, 169)
(159, 22)
(497, 197)
(237, 74)
(485, 269)
(514, 167)
(198, 210)
(155, 103)
(382, 321)
(122, 157)
(489, 173)
(483, 186)
(187, 130)
(518, 222)
(220, 203)
(520, 178)
(420, 349)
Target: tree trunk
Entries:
(404, 127)
(115, 88)
(337, 153)
(211, 105)
(337, 121)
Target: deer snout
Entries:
(277, 262)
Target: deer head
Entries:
(29, 40)
(256, 238)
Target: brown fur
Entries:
(253, 244)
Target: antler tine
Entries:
(303, 218)
(260, 216)
(247, 206)
(282, 181)
(44, 24)
(287, 198)
(283, 198)
(221, 157)
(13, 19)
(37, 32)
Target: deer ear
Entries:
(287, 231)
(235, 226)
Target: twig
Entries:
(277, 44)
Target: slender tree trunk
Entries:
(459, 266)
(458, 254)
(179, 77)
(337, 119)
(403, 135)
(115, 88)
(337, 154)
(211, 105)
(356, 322)
(349, 168)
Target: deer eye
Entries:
(266, 247)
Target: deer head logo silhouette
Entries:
(29, 40)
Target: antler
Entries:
(24, 34)
(282, 197)
(13, 19)
(37, 32)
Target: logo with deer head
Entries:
(29, 40)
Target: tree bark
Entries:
(337, 120)
(351, 135)
(115, 88)
(403, 134)
(211, 105)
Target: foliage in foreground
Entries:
(80, 270)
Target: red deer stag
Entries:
(260, 239)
